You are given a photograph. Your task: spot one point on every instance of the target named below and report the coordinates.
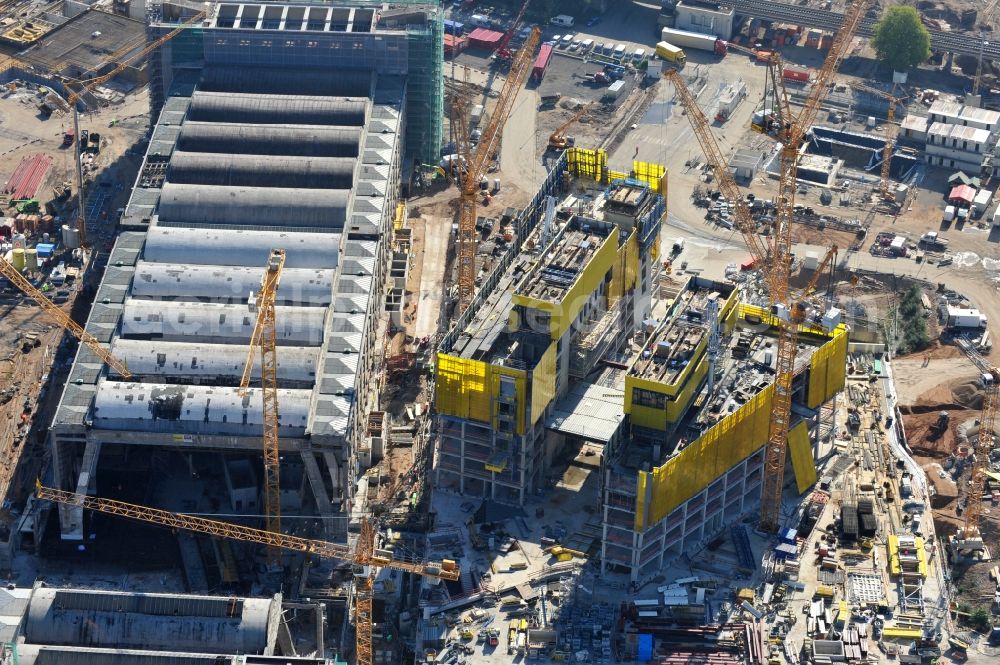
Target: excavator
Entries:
(558, 139)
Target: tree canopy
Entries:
(901, 40)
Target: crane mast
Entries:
(90, 84)
(489, 143)
(775, 257)
(265, 336)
(884, 191)
(984, 444)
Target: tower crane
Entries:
(558, 139)
(970, 536)
(890, 136)
(365, 556)
(489, 143)
(265, 336)
(789, 311)
(90, 84)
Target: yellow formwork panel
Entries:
(712, 454)
(640, 500)
(463, 388)
(587, 163)
(467, 388)
(627, 261)
(543, 383)
(617, 175)
(397, 221)
(828, 369)
(677, 406)
(802, 459)
(649, 173)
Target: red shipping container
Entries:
(483, 38)
(795, 74)
(827, 42)
(541, 62)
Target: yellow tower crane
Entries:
(890, 136)
(775, 258)
(489, 144)
(265, 336)
(62, 319)
(970, 534)
(365, 556)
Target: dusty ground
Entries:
(24, 132)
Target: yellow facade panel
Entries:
(469, 388)
(712, 454)
(543, 383)
(640, 501)
(802, 459)
(463, 389)
(649, 173)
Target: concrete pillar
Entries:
(323, 505)
(336, 474)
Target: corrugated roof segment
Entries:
(166, 622)
(589, 411)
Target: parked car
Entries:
(593, 20)
(575, 46)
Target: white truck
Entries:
(960, 317)
(933, 241)
(696, 40)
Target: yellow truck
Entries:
(669, 52)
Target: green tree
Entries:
(980, 620)
(901, 40)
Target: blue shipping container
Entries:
(645, 648)
(45, 249)
(454, 27)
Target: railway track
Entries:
(960, 43)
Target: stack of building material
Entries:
(849, 521)
(27, 177)
(856, 642)
(866, 517)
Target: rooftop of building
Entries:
(958, 132)
(256, 159)
(580, 227)
(562, 263)
(668, 349)
(958, 110)
(84, 44)
(746, 365)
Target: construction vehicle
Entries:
(773, 114)
(931, 240)
(365, 556)
(885, 190)
(265, 336)
(670, 53)
(774, 257)
(489, 145)
(504, 54)
(558, 139)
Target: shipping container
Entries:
(686, 39)
(981, 202)
(541, 62)
(454, 27)
(797, 74)
(826, 42)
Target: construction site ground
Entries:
(34, 381)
